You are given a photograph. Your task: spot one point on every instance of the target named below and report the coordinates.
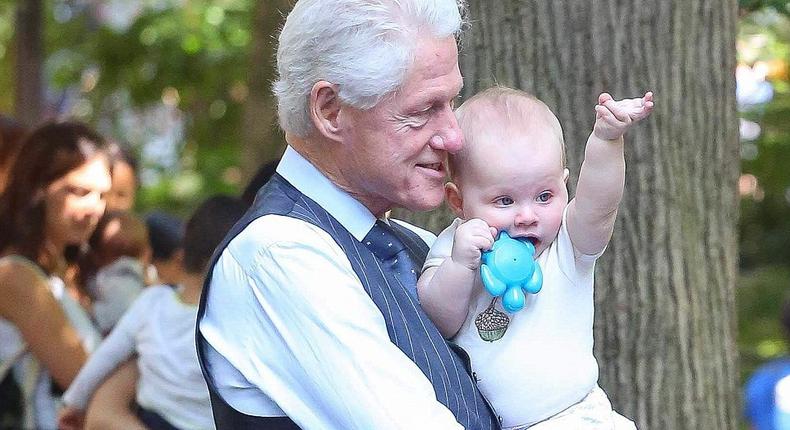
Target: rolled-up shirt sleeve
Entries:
(287, 311)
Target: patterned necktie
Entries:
(385, 243)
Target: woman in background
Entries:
(53, 200)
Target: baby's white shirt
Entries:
(161, 330)
(544, 363)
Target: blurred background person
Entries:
(11, 134)
(165, 234)
(53, 200)
(113, 270)
(125, 178)
(767, 392)
(258, 180)
(160, 328)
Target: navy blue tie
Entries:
(387, 246)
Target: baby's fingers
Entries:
(602, 112)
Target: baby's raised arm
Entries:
(592, 212)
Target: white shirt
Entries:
(544, 363)
(294, 333)
(114, 288)
(161, 330)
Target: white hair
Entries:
(364, 47)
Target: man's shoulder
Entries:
(272, 230)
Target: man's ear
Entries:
(565, 174)
(324, 109)
(454, 199)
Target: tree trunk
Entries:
(665, 319)
(29, 60)
(262, 139)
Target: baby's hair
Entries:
(128, 235)
(117, 234)
(500, 105)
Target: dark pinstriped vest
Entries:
(445, 365)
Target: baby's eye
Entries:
(505, 201)
(544, 197)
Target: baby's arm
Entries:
(116, 348)
(592, 212)
(445, 291)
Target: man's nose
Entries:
(448, 137)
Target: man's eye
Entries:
(544, 197)
(505, 201)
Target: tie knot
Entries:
(383, 241)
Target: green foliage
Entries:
(760, 295)
(764, 39)
(748, 6)
(191, 56)
(7, 13)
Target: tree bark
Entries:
(262, 139)
(665, 317)
(29, 59)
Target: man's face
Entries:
(394, 154)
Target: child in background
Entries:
(125, 179)
(160, 329)
(166, 234)
(535, 366)
(113, 272)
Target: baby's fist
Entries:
(472, 238)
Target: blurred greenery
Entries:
(138, 68)
(764, 281)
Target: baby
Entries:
(114, 269)
(536, 366)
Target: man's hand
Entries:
(614, 117)
(472, 238)
(71, 418)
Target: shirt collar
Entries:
(347, 210)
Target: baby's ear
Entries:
(454, 199)
(565, 174)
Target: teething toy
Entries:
(509, 270)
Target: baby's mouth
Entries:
(533, 240)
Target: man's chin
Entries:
(425, 202)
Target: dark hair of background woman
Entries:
(50, 152)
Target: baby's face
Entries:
(518, 186)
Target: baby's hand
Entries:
(71, 418)
(471, 238)
(614, 117)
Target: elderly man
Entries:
(309, 317)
